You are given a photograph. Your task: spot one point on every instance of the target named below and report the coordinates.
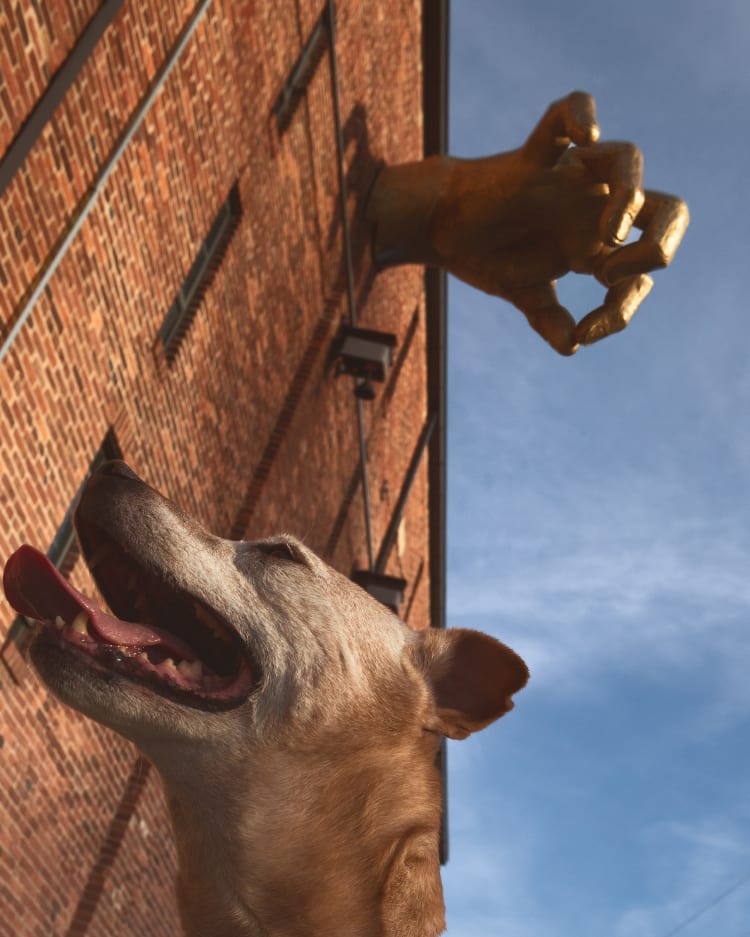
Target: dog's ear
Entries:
(472, 677)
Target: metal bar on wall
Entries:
(83, 209)
(63, 78)
(398, 512)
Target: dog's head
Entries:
(208, 635)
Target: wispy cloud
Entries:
(492, 852)
(599, 507)
(625, 586)
(511, 873)
(699, 872)
(593, 518)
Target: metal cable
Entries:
(707, 907)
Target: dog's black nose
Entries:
(118, 467)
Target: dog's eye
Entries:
(280, 551)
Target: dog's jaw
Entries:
(345, 847)
(74, 629)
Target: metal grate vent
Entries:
(301, 73)
(208, 260)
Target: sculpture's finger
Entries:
(571, 119)
(664, 220)
(547, 317)
(619, 307)
(620, 165)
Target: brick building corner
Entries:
(173, 278)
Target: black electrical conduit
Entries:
(349, 269)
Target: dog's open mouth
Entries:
(164, 638)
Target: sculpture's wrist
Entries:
(402, 204)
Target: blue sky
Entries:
(599, 509)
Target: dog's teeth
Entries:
(204, 615)
(190, 668)
(169, 664)
(143, 656)
(216, 628)
(59, 623)
(80, 623)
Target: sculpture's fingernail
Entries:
(623, 229)
(566, 348)
(594, 333)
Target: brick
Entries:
(248, 418)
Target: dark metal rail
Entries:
(346, 236)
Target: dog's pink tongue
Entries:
(35, 588)
(124, 633)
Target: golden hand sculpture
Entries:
(513, 223)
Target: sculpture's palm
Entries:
(514, 223)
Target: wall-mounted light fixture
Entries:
(386, 589)
(366, 355)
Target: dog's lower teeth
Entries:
(192, 669)
(200, 676)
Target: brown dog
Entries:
(294, 720)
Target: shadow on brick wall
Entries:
(360, 175)
(319, 340)
(359, 178)
(356, 477)
(92, 890)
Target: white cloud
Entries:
(700, 871)
(513, 872)
(600, 506)
(491, 852)
(597, 515)
(626, 587)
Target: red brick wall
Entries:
(36, 40)
(248, 426)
